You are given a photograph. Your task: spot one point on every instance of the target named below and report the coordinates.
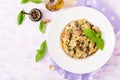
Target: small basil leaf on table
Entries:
(40, 54)
(42, 27)
(20, 18)
(89, 33)
(24, 1)
(44, 46)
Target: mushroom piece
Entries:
(91, 45)
(67, 35)
(77, 32)
(87, 26)
(95, 28)
(92, 50)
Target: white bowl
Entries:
(91, 63)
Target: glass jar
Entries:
(54, 5)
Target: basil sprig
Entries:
(20, 18)
(42, 27)
(34, 1)
(41, 52)
(96, 37)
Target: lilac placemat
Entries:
(113, 18)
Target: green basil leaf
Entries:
(100, 43)
(44, 46)
(24, 1)
(95, 39)
(36, 1)
(20, 18)
(42, 27)
(89, 33)
(40, 54)
(98, 34)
